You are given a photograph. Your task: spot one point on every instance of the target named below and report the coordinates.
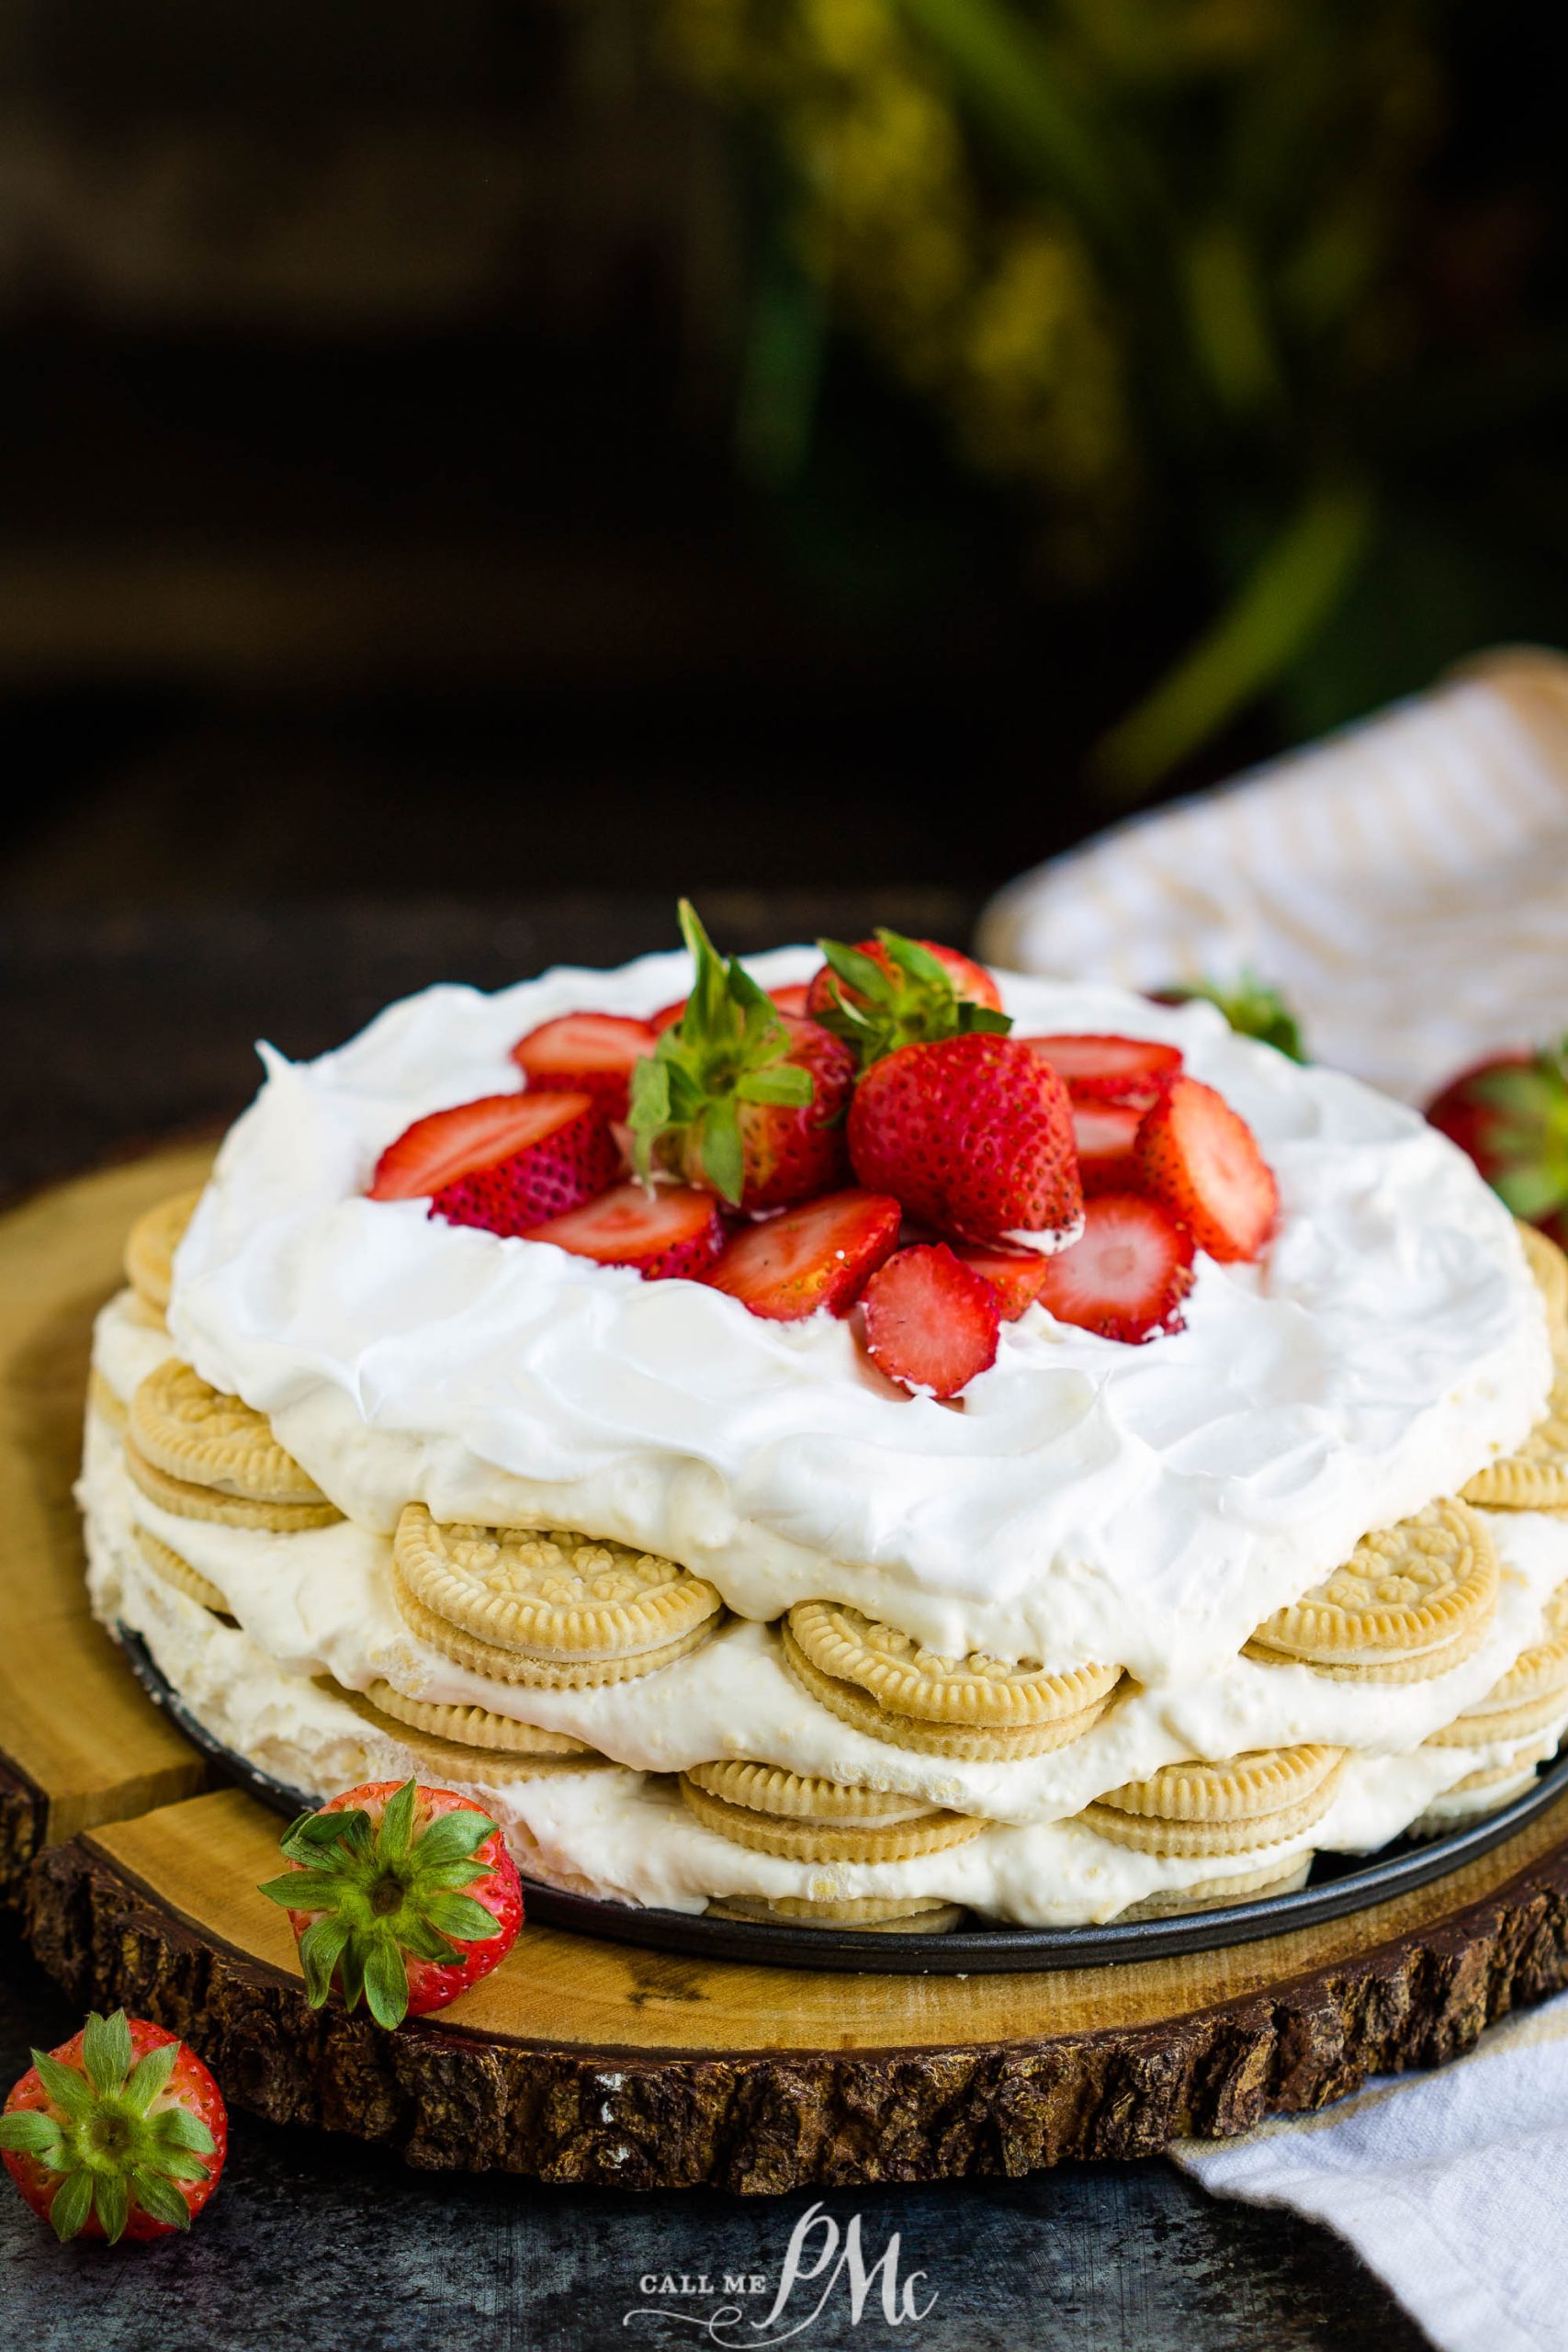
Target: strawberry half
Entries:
(403, 1896)
(670, 1230)
(1200, 1159)
(1106, 1133)
(447, 1144)
(585, 1053)
(739, 1098)
(891, 991)
(1510, 1115)
(1014, 1275)
(566, 1155)
(973, 1135)
(120, 2133)
(812, 1257)
(1110, 1070)
(930, 1321)
(1127, 1276)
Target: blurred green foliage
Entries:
(1253, 294)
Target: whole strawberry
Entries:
(891, 991)
(1510, 1115)
(403, 1896)
(739, 1098)
(120, 2133)
(972, 1136)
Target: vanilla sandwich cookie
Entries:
(551, 1593)
(166, 1564)
(184, 1499)
(802, 1796)
(1411, 1601)
(806, 1841)
(969, 1742)
(1536, 1477)
(1211, 1893)
(1550, 1267)
(150, 1248)
(908, 1679)
(1476, 1796)
(564, 1672)
(467, 1727)
(458, 1759)
(189, 1429)
(1252, 1800)
(897, 1915)
(1533, 1690)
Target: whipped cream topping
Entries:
(1086, 1501)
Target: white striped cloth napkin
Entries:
(1404, 883)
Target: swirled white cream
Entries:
(1142, 1506)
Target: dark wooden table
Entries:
(125, 1029)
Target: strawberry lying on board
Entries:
(120, 2133)
(403, 1896)
(1510, 1115)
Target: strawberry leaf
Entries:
(30, 2132)
(111, 2203)
(386, 1983)
(158, 2198)
(905, 997)
(68, 2090)
(106, 2052)
(72, 2204)
(149, 2076)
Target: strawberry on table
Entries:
(816, 1255)
(1110, 1070)
(120, 2133)
(973, 1134)
(1200, 1159)
(585, 1053)
(930, 1321)
(403, 1896)
(1106, 1135)
(739, 1098)
(892, 991)
(1509, 1114)
(505, 1163)
(1014, 1275)
(1127, 1276)
(663, 1230)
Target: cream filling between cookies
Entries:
(317, 1602)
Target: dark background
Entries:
(380, 512)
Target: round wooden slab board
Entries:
(593, 2062)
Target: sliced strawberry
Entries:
(1106, 1133)
(1202, 1159)
(666, 1016)
(973, 1134)
(585, 1053)
(670, 1230)
(930, 1321)
(1110, 1070)
(568, 1156)
(1128, 1275)
(1014, 1275)
(449, 1144)
(819, 1255)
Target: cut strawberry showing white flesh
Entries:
(1202, 1159)
(932, 1322)
(670, 1230)
(1110, 1070)
(1014, 1275)
(1128, 1275)
(1106, 1133)
(585, 1053)
(815, 1255)
(553, 1153)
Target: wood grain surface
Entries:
(596, 2062)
